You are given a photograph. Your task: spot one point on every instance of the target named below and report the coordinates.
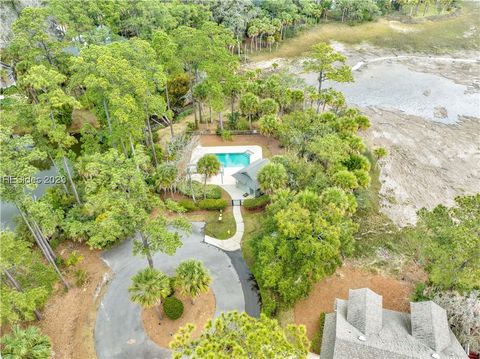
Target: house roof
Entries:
(248, 174)
(396, 338)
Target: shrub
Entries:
(226, 135)
(256, 203)
(73, 259)
(81, 277)
(380, 152)
(243, 125)
(212, 204)
(316, 344)
(188, 204)
(191, 127)
(213, 191)
(269, 305)
(173, 308)
(233, 119)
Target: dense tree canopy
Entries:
(451, 244)
(238, 335)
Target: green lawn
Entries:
(254, 224)
(223, 229)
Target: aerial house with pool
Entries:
(240, 165)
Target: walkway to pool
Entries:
(232, 243)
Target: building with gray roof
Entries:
(247, 177)
(361, 329)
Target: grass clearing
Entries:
(254, 224)
(437, 36)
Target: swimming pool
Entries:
(234, 159)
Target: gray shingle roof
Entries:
(365, 310)
(430, 325)
(248, 174)
(394, 340)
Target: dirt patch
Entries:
(69, 317)
(270, 146)
(162, 331)
(396, 294)
(81, 117)
(429, 163)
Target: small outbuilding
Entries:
(246, 178)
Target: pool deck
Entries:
(225, 178)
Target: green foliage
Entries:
(188, 204)
(272, 177)
(354, 11)
(192, 278)
(28, 270)
(149, 287)
(380, 152)
(269, 125)
(449, 244)
(212, 191)
(81, 277)
(316, 345)
(27, 343)
(226, 135)
(240, 336)
(305, 225)
(73, 259)
(345, 180)
(256, 203)
(208, 166)
(173, 308)
(213, 204)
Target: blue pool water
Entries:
(233, 159)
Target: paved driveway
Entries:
(119, 330)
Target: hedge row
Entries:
(188, 204)
(256, 203)
(212, 204)
(207, 204)
(316, 344)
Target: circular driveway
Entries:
(119, 331)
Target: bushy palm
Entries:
(27, 343)
(192, 278)
(149, 287)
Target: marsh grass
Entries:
(436, 36)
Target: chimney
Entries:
(364, 310)
(430, 325)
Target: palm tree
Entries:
(192, 278)
(208, 165)
(27, 343)
(149, 287)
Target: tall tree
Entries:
(272, 177)
(53, 110)
(26, 280)
(33, 43)
(450, 244)
(249, 106)
(329, 64)
(208, 166)
(18, 172)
